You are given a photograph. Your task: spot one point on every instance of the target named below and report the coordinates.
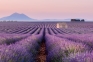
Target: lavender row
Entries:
(58, 48)
(86, 39)
(11, 38)
(82, 57)
(24, 27)
(19, 27)
(54, 31)
(22, 51)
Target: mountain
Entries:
(61, 20)
(54, 20)
(17, 17)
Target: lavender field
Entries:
(64, 42)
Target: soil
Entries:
(41, 57)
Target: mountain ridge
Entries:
(16, 17)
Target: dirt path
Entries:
(41, 57)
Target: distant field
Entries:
(46, 41)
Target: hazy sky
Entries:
(43, 9)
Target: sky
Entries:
(48, 9)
